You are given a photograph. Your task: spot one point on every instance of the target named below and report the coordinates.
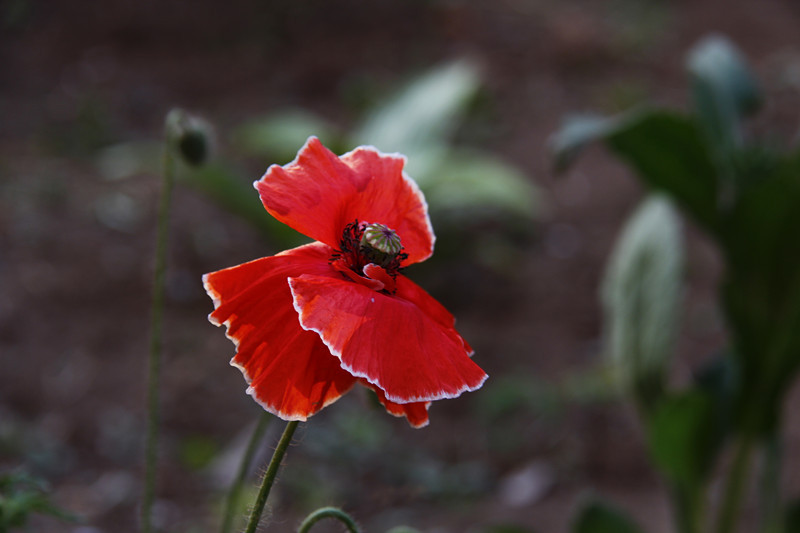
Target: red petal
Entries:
(408, 290)
(416, 412)
(389, 341)
(318, 194)
(290, 372)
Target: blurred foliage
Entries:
(792, 519)
(506, 528)
(22, 495)
(596, 516)
(197, 452)
(746, 196)
(505, 395)
(467, 190)
(641, 297)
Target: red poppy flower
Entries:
(310, 322)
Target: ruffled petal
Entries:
(416, 412)
(318, 194)
(411, 355)
(290, 372)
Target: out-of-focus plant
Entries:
(419, 121)
(22, 495)
(641, 296)
(746, 196)
(469, 191)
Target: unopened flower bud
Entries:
(191, 136)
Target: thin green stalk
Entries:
(269, 476)
(156, 314)
(329, 512)
(688, 509)
(771, 508)
(735, 486)
(232, 500)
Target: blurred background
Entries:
(470, 91)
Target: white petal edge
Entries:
(215, 297)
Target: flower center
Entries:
(364, 244)
(381, 243)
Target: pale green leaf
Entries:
(423, 113)
(641, 295)
(468, 180)
(280, 135)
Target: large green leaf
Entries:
(422, 114)
(762, 289)
(466, 180)
(599, 517)
(641, 297)
(666, 149)
(669, 154)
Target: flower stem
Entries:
(734, 489)
(688, 508)
(156, 314)
(244, 466)
(328, 512)
(269, 477)
(771, 508)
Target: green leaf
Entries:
(666, 149)
(723, 88)
(280, 135)
(669, 155)
(578, 131)
(762, 289)
(599, 517)
(422, 114)
(22, 495)
(682, 437)
(467, 180)
(641, 297)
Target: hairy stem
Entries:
(236, 487)
(269, 476)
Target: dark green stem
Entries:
(231, 503)
(269, 476)
(328, 512)
(771, 508)
(156, 314)
(734, 488)
(688, 506)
